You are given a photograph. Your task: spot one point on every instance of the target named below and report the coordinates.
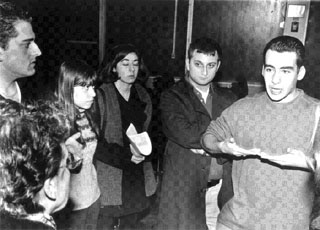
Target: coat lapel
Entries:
(198, 106)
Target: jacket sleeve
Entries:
(180, 125)
(114, 154)
(109, 153)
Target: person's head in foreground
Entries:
(34, 174)
(283, 66)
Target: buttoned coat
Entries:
(184, 120)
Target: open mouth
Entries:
(275, 91)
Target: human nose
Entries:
(92, 92)
(204, 71)
(276, 78)
(35, 50)
(131, 68)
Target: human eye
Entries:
(90, 87)
(82, 87)
(211, 65)
(26, 45)
(286, 71)
(125, 63)
(268, 69)
(136, 63)
(197, 64)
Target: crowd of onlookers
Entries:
(229, 163)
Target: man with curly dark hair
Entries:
(18, 50)
(34, 167)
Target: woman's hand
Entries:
(74, 146)
(136, 157)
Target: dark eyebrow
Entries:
(287, 67)
(28, 40)
(270, 66)
(213, 62)
(195, 60)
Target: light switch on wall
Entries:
(296, 20)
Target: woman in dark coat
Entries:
(126, 178)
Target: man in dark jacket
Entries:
(187, 109)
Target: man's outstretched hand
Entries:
(229, 146)
(293, 158)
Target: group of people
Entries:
(229, 163)
(65, 160)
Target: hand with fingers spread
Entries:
(293, 158)
(229, 146)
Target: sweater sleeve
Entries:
(217, 131)
(113, 154)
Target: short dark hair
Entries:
(30, 153)
(286, 44)
(113, 57)
(9, 15)
(206, 46)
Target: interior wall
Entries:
(149, 25)
(311, 81)
(241, 27)
(64, 30)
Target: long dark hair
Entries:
(73, 73)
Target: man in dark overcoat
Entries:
(186, 111)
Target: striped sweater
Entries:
(84, 186)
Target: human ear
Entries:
(50, 188)
(188, 64)
(218, 65)
(301, 73)
(262, 70)
(1, 53)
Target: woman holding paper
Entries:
(125, 176)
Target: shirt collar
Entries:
(203, 95)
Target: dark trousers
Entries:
(110, 218)
(85, 219)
